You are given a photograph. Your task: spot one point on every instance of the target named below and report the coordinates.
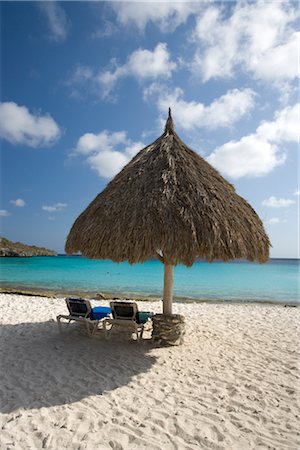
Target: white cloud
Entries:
(142, 64)
(284, 127)
(107, 163)
(150, 64)
(90, 142)
(19, 126)
(222, 112)
(56, 19)
(297, 192)
(274, 202)
(250, 156)
(55, 208)
(4, 213)
(259, 38)
(278, 63)
(273, 221)
(82, 79)
(258, 153)
(81, 73)
(19, 202)
(166, 15)
(133, 148)
(106, 30)
(102, 153)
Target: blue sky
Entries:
(86, 85)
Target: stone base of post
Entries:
(168, 330)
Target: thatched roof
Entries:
(169, 199)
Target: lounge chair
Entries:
(127, 315)
(80, 310)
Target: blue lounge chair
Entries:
(80, 310)
(127, 315)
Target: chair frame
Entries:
(121, 321)
(91, 325)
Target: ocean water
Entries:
(277, 280)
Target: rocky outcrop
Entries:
(9, 248)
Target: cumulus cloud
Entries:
(4, 213)
(107, 153)
(141, 64)
(189, 115)
(56, 20)
(167, 15)
(19, 202)
(259, 38)
(297, 192)
(250, 156)
(274, 202)
(19, 126)
(258, 153)
(54, 208)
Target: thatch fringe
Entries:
(169, 198)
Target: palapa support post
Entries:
(168, 289)
(168, 328)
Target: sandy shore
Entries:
(233, 385)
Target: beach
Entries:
(232, 385)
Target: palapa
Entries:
(169, 202)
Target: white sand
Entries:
(233, 385)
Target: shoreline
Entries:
(104, 295)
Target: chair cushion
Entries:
(99, 312)
(143, 316)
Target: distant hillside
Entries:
(9, 248)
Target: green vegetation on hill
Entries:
(9, 248)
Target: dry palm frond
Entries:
(169, 198)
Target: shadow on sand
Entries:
(42, 367)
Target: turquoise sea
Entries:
(277, 280)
